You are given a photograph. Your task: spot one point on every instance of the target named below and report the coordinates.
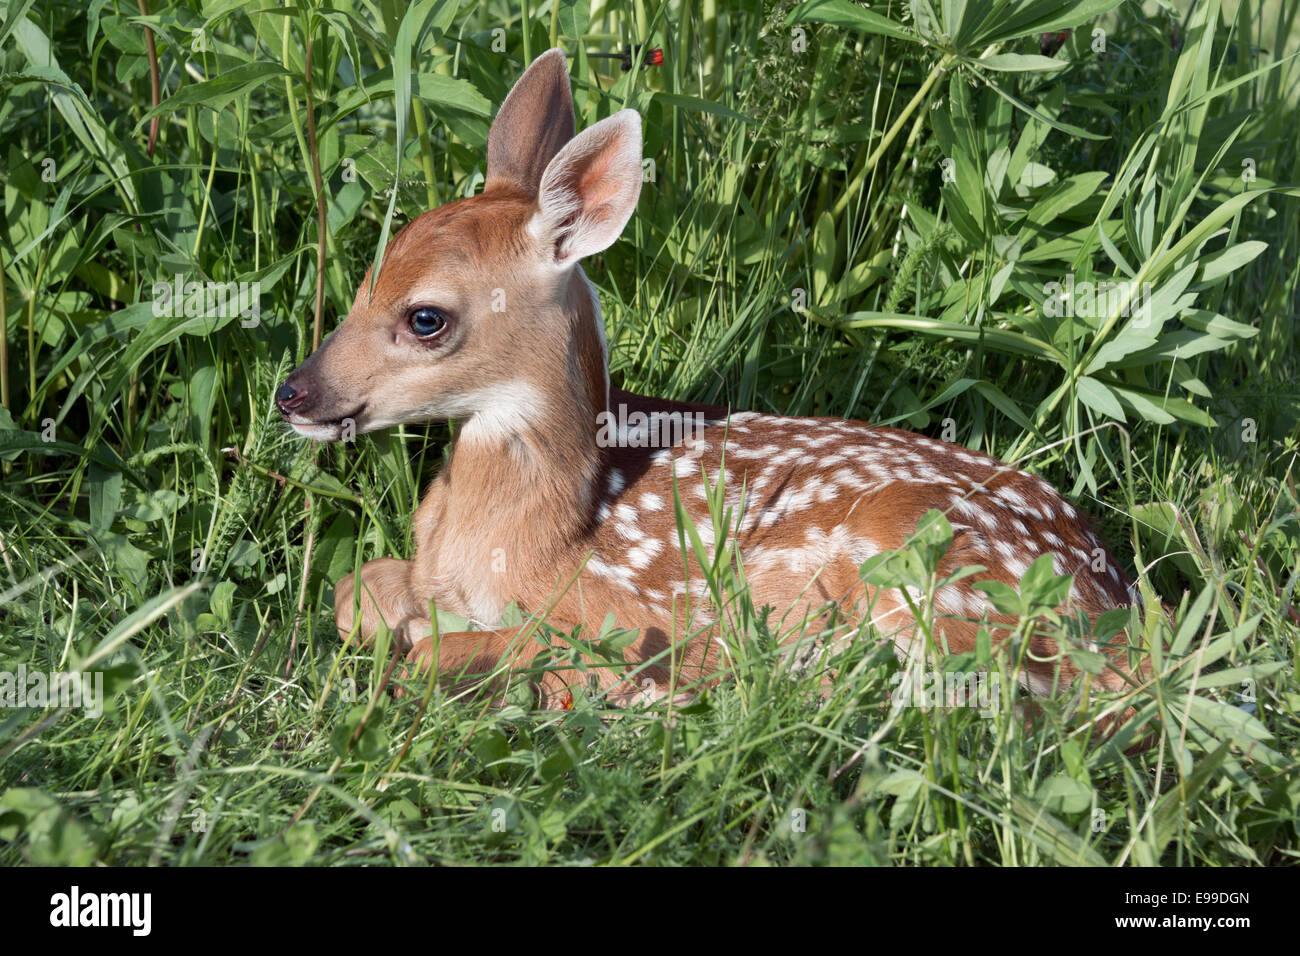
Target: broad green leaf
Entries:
(1061, 793)
(842, 13)
(1003, 403)
(1100, 398)
(217, 93)
(1065, 195)
(52, 835)
(1010, 21)
(1001, 338)
(1219, 326)
(1161, 409)
(823, 255)
(1041, 586)
(1043, 117)
(1020, 63)
(1203, 229)
(433, 89)
(1216, 265)
(1235, 676)
(1053, 838)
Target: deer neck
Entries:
(523, 473)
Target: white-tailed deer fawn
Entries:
(559, 492)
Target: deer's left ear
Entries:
(590, 189)
(533, 124)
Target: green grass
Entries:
(798, 250)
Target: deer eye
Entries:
(426, 322)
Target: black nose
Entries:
(288, 398)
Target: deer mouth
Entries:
(330, 429)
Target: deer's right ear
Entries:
(534, 123)
(590, 189)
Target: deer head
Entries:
(481, 311)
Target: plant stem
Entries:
(322, 219)
(155, 85)
(525, 25)
(4, 336)
(864, 169)
(426, 153)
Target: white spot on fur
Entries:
(628, 531)
(1017, 567)
(618, 574)
(642, 555)
(1012, 498)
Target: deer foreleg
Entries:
(381, 591)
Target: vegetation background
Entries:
(851, 211)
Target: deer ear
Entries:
(590, 189)
(534, 123)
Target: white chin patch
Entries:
(499, 411)
(317, 432)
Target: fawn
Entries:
(545, 503)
